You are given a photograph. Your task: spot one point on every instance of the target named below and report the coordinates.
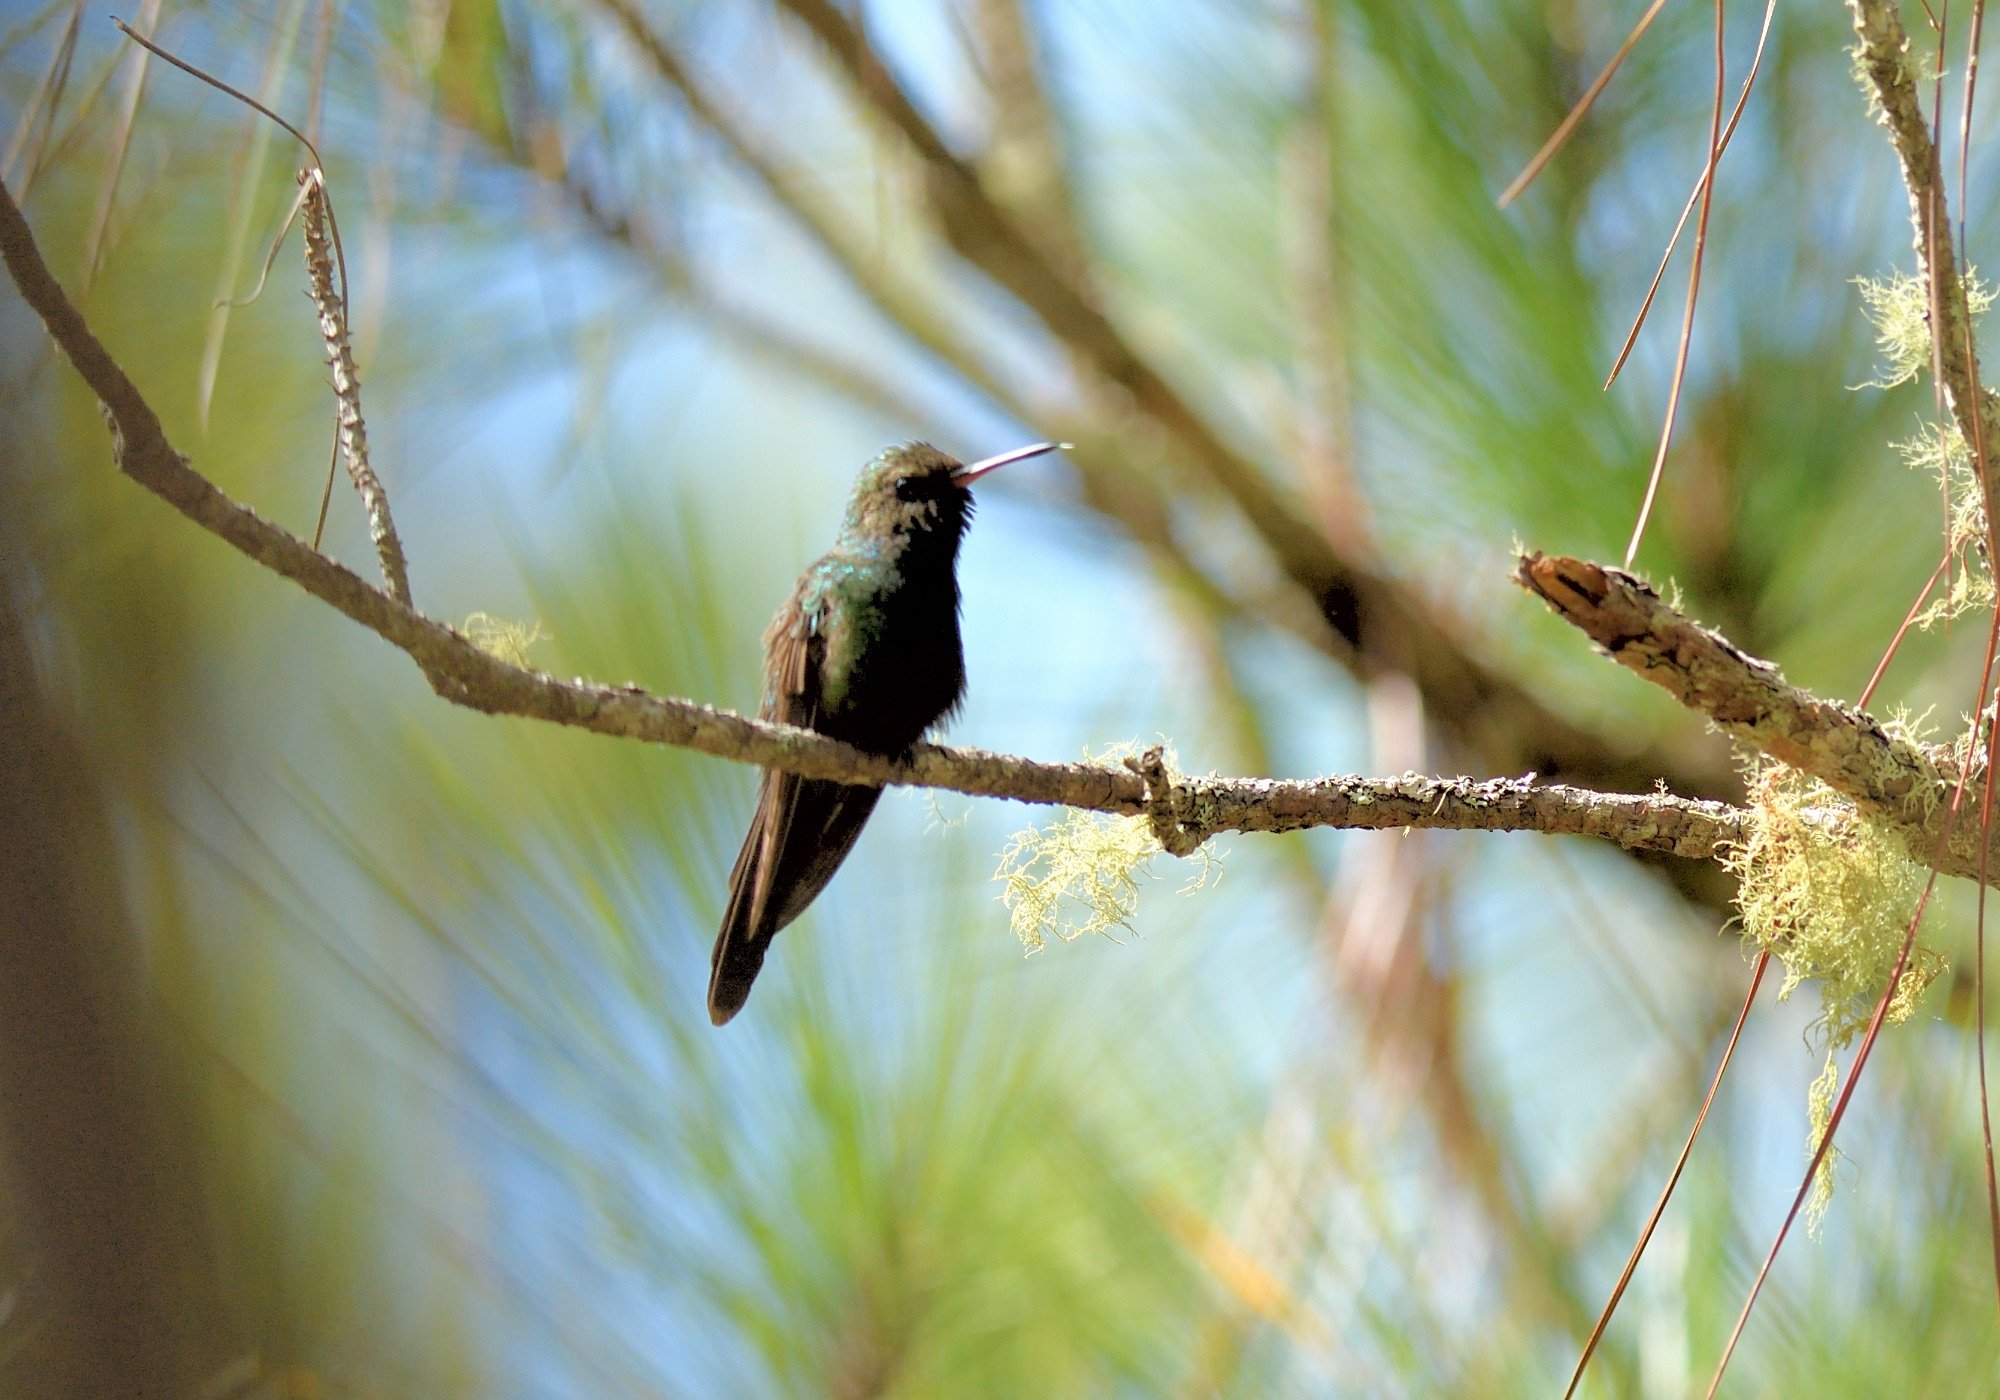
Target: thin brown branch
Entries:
(1673, 1179)
(1694, 197)
(1187, 809)
(1825, 1144)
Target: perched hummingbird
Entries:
(866, 651)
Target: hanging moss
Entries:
(1080, 873)
(1830, 895)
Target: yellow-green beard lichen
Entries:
(1941, 451)
(1079, 874)
(1829, 894)
(496, 636)
(1899, 306)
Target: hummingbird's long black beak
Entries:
(965, 476)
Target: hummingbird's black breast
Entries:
(894, 662)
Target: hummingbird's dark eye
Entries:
(907, 489)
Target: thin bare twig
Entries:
(1693, 296)
(1826, 1139)
(1694, 197)
(1673, 1178)
(1902, 630)
(326, 277)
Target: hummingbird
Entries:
(866, 650)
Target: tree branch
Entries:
(1184, 810)
(331, 306)
(1884, 59)
(1892, 778)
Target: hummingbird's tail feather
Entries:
(803, 829)
(735, 966)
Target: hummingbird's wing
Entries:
(803, 829)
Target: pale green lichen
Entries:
(1830, 894)
(1819, 1117)
(1900, 308)
(1858, 69)
(1941, 451)
(496, 636)
(1080, 874)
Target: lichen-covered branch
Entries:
(1190, 809)
(1883, 58)
(1656, 822)
(327, 303)
(1888, 776)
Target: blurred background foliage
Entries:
(411, 998)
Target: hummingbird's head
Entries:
(915, 489)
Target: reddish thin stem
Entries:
(1694, 291)
(1933, 196)
(1986, 806)
(1660, 273)
(1965, 112)
(1826, 1139)
(1909, 620)
(1560, 137)
(1979, 989)
(1673, 1180)
(1874, 1027)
